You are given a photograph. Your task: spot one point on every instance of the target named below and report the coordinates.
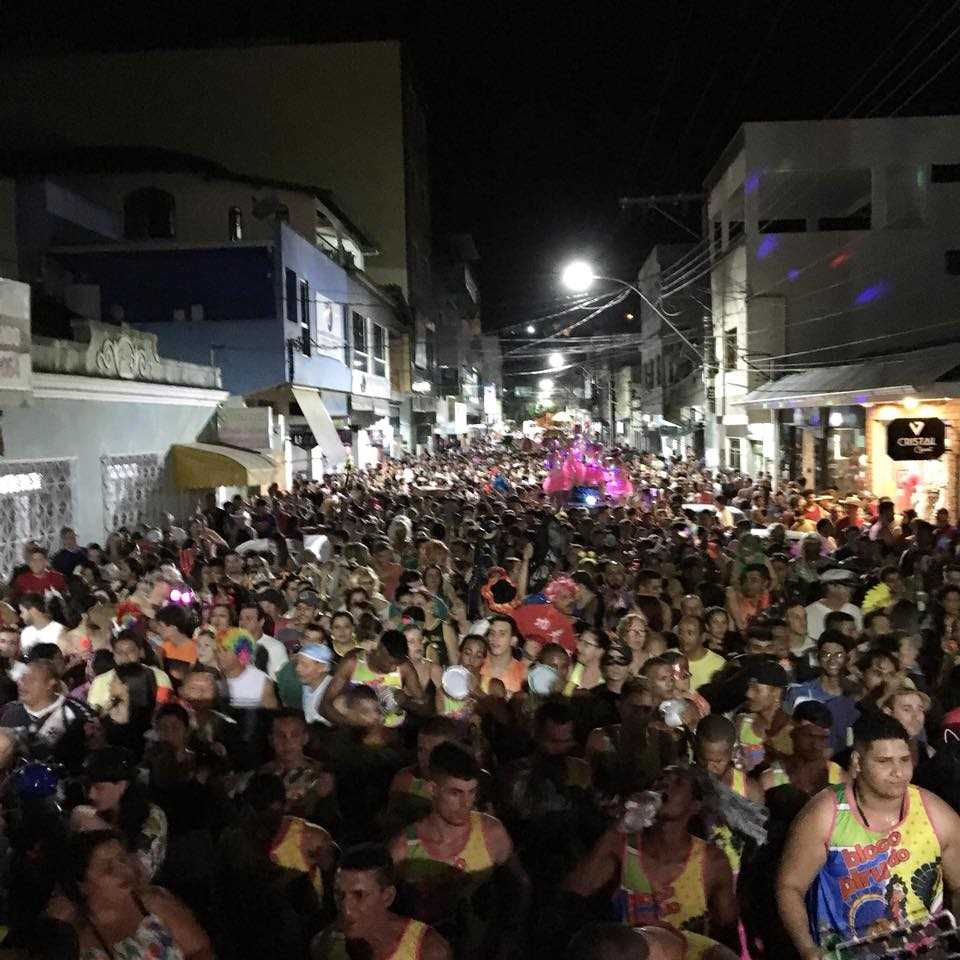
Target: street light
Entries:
(579, 276)
(555, 360)
(531, 328)
(546, 385)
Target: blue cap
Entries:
(317, 651)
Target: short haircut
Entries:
(175, 616)
(754, 568)
(814, 712)
(341, 615)
(128, 636)
(395, 643)
(833, 636)
(557, 712)
(250, 604)
(608, 941)
(36, 548)
(370, 856)
(288, 713)
(716, 728)
(33, 601)
(503, 618)
(873, 726)
(873, 615)
(440, 726)
(835, 618)
(450, 759)
(172, 710)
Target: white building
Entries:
(827, 241)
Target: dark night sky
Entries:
(543, 115)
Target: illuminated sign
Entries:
(916, 438)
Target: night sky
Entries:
(542, 116)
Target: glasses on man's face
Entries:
(833, 655)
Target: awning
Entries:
(931, 372)
(324, 432)
(375, 405)
(336, 403)
(204, 466)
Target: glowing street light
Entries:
(531, 328)
(577, 276)
(546, 385)
(555, 360)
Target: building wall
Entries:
(85, 431)
(328, 114)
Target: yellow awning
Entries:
(324, 432)
(203, 466)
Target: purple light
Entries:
(766, 246)
(752, 183)
(874, 292)
(862, 398)
(793, 275)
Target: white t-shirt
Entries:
(31, 636)
(276, 654)
(817, 615)
(311, 702)
(246, 689)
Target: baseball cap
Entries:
(769, 673)
(308, 597)
(814, 712)
(318, 652)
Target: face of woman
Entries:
(220, 618)
(472, 655)
(110, 875)
(206, 648)
(433, 581)
(635, 633)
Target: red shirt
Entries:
(29, 582)
(544, 623)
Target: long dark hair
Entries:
(77, 852)
(141, 684)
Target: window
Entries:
(306, 339)
(730, 349)
(290, 296)
(235, 223)
(359, 342)
(945, 173)
(148, 214)
(379, 350)
(952, 258)
(733, 454)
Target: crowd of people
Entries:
(426, 710)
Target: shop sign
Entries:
(301, 436)
(916, 438)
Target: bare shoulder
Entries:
(817, 816)
(498, 840)
(434, 947)
(943, 817)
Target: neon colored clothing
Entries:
(835, 774)
(512, 678)
(456, 709)
(184, 652)
(870, 878)
(412, 785)
(749, 742)
(721, 836)
(98, 696)
(290, 847)
(576, 681)
(333, 945)
(380, 683)
(441, 886)
(702, 670)
(682, 903)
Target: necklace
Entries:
(863, 816)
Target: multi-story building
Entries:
(345, 115)
(262, 277)
(827, 242)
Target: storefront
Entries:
(861, 428)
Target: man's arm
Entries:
(598, 867)
(434, 947)
(721, 899)
(336, 687)
(803, 856)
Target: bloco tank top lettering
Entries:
(362, 674)
(440, 884)
(870, 878)
(681, 903)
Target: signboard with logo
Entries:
(301, 435)
(916, 438)
(15, 361)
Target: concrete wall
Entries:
(86, 430)
(325, 114)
